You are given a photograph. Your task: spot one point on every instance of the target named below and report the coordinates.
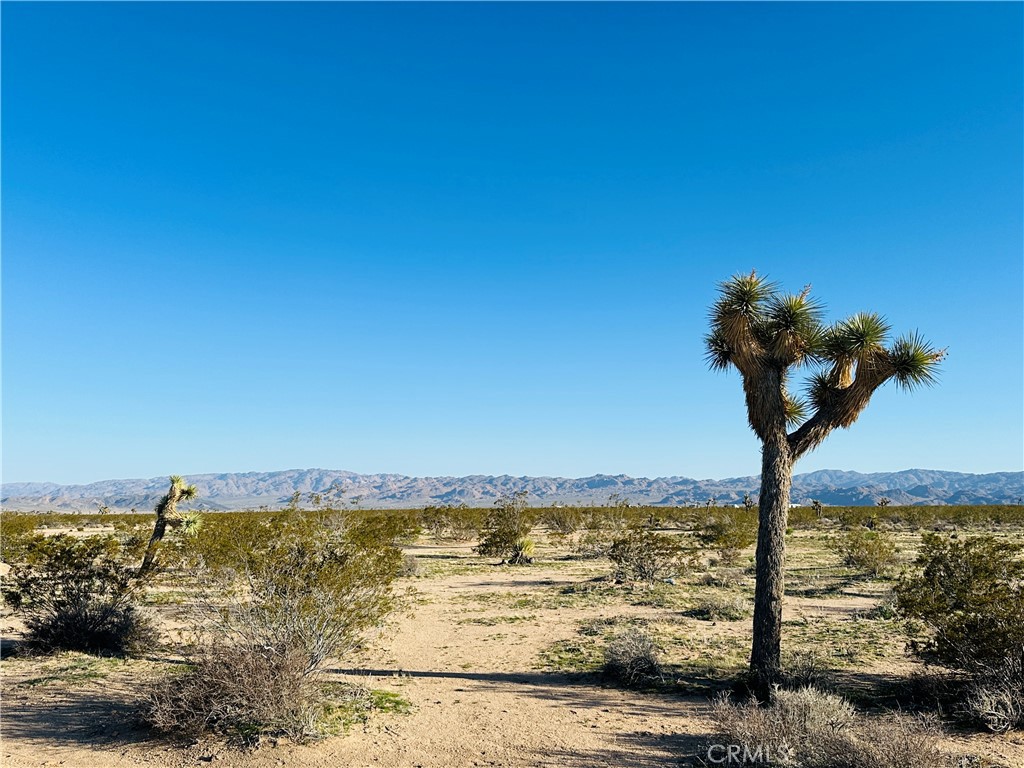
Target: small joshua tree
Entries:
(766, 335)
(166, 514)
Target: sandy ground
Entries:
(476, 680)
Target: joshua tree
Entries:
(167, 514)
(766, 334)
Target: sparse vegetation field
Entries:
(633, 652)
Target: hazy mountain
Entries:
(249, 490)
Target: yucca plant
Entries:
(766, 335)
(522, 552)
(167, 514)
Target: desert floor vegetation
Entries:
(570, 658)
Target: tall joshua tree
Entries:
(166, 514)
(766, 335)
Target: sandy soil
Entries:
(471, 662)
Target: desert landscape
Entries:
(482, 663)
(570, 385)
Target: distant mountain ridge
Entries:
(250, 490)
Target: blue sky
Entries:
(455, 239)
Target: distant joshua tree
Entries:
(765, 335)
(884, 501)
(167, 514)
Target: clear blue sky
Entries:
(454, 239)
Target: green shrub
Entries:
(591, 544)
(466, 523)
(969, 595)
(506, 527)
(451, 521)
(562, 520)
(873, 552)
(283, 594)
(643, 555)
(728, 531)
(78, 595)
(16, 530)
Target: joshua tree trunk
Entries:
(166, 511)
(159, 529)
(776, 479)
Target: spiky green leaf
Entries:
(190, 524)
(744, 295)
(915, 362)
(792, 327)
(796, 411)
(855, 337)
(719, 353)
(819, 388)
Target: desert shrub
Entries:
(804, 668)
(895, 741)
(410, 566)
(506, 527)
(466, 523)
(722, 577)
(969, 596)
(606, 518)
(800, 725)
(885, 610)
(16, 530)
(312, 589)
(283, 594)
(451, 521)
(996, 699)
(242, 692)
(78, 595)
(716, 608)
(434, 520)
(643, 555)
(873, 552)
(631, 658)
(562, 520)
(592, 543)
(728, 531)
(814, 729)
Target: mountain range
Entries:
(252, 490)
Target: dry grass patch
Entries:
(813, 729)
